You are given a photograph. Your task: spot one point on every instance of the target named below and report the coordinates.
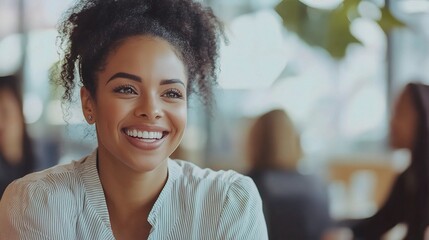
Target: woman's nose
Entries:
(149, 108)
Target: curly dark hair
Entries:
(93, 28)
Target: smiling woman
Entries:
(141, 97)
(138, 62)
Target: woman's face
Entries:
(140, 110)
(403, 124)
(11, 126)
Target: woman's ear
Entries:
(87, 105)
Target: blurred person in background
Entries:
(16, 153)
(296, 206)
(408, 201)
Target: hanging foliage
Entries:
(329, 29)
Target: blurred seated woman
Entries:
(295, 205)
(16, 155)
(408, 201)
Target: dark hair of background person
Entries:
(408, 201)
(420, 152)
(87, 43)
(418, 180)
(27, 165)
(296, 206)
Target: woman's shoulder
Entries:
(220, 186)
(206, 182)
(32, 204)
(190, 172)
(59, 179)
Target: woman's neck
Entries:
(128, 191)
(130, 196)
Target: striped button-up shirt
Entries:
(67, 202)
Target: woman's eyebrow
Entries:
(125, 75)
(171, 81)
(138, 79)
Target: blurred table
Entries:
(358, 188)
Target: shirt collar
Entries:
(165, 195)
(93, 187)
(96, 198)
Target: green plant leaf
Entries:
(339, 36)
(387, 21)
(293, 13)
(328, 29)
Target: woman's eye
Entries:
(125, 90)
(172, 93)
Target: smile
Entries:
(145, 135)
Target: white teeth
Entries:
(144, 134)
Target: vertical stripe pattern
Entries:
(67, 202)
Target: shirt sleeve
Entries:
(242, 216)
(29, 211)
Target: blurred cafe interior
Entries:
(335, 66)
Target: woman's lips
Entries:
(145, 139)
